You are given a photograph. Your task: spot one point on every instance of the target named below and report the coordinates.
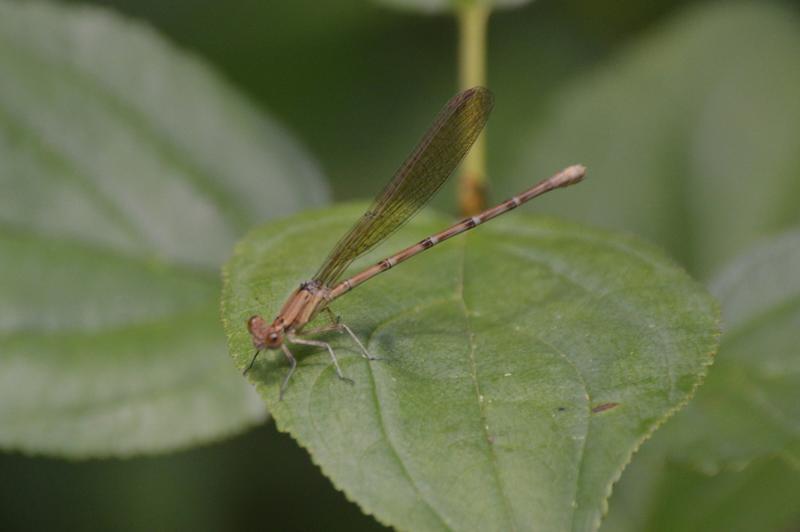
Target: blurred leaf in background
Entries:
(691, 134)
(659, 494)
(127, 171)
(750, 406)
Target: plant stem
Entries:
(473, 18)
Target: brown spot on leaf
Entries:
(603, 407)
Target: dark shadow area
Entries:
(260, 481)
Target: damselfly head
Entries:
(264, 336)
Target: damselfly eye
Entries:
(254, 322)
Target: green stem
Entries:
(473, 18)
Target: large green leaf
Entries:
(750, 406)
(522, 365)
(691, 134)
(127, 170)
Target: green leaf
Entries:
(750, 405)
(762, 497)
(127, 170)
(691, 134)
(522, 365)
(659, 495)
(440, 6)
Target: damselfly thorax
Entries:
(299, 309)
(421, 175)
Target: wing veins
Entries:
(441, 149)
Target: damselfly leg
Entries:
(318, 343)
(292, 366)
(337, 325)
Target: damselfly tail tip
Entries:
(571, 175)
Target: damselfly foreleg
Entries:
(292, 366)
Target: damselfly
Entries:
(436, 156)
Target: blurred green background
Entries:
(357, 82)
